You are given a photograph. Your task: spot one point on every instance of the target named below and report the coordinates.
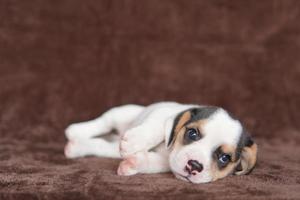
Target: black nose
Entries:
(195, 165)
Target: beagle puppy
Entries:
(197, 143)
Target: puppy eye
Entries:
(224, 159)
(192, 134)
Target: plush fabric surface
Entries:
(69, 60)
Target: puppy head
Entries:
(207, 144)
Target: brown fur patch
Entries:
(253, 155)
(184, 118)
(218, 174)
(178, 127)
(221, 173)
(180, 131)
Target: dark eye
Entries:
(192, 134)
(224, 159)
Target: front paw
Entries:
(128, 167)
(132, 141)
(81, 130)
(73, 149)
(132, 164)
(74, 131)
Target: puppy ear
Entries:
(248, 157)
(169, 137)
(173, 126)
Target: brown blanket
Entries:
(67, 61)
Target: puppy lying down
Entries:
(197, 143)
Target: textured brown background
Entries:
(63, 61)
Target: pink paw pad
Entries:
(128, 167)
(68, 148)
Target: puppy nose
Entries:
(195, 165)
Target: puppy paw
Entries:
(80, 131)
(73, 131)
(128, 167)
(73, 150)
(132, 141)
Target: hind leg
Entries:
(118, 118)
(92, 147)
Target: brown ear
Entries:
(248, 159)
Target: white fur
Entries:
(142, 131)
(220, 129)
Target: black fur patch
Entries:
(201, 113)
